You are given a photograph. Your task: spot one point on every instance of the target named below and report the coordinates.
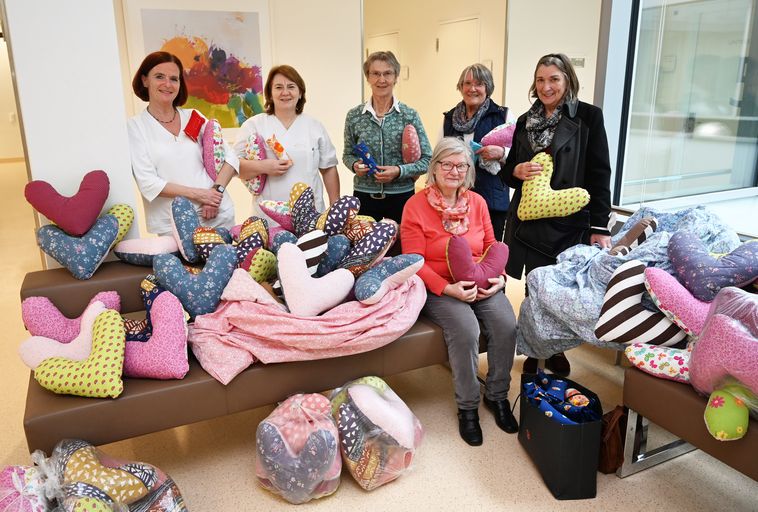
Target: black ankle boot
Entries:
(504, 419)
(468, 426)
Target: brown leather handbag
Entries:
(612, 440)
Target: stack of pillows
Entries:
(704, 330)
(300, 442)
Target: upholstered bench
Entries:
(679, 409)
(148, 406)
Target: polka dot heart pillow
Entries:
(539, 200)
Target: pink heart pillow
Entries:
(411, 145)
(38, 348)
(76, 214)
(500, 136)
(462, 266)
(305, 295)
(279, 212)
(213, 148)
(42, 318)
(675, 301)
(164, 355)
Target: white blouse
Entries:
(308, 145)
(159, 157)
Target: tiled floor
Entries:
(214, 463)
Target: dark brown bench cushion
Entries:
(678, 408)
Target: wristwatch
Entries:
(218, 188)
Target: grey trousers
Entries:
(460, 324)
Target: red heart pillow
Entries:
(76, 214)
(462, 266)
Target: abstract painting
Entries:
(222, 58)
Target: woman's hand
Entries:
(208, 197)
(491, 152)
(275, 167)
(386, 173)
(497, 284)
(360, 168)
(462, 290)
(208, 212)
(526, 171)
(604, 241)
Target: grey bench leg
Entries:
(636, 455)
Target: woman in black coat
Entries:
(470, 120)
(573, 133)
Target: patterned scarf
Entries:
(540, 129)
(460, 121)
(454, 218)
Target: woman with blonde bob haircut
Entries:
(448, 207)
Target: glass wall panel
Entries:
(693, 124)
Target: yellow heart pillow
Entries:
(98, 376)
(539, 201)
(260, 264)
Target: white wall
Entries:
(418, 22)
(549, 26)
(10, 132)
(68, 81)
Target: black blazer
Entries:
(580, 159)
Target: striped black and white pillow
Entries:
(623, 319)
(635, 236)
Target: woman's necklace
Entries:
(162, 122)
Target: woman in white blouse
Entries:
(166, 162)
(312, 156)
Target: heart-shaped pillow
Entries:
(303, 206)
(76, 214)
(254, 225)
(205, 239)
(359, 226)
(675, 301)
(634, 236)
(375, 424)
(728, 344)
(81, 256)
(462, 266)
(245, 246)
(704, 275)
(214, 154)
(663, 362)
(98, 376)
(141, 251)
(623, 318)
(92, 480)
(374, 284)
(501, 135)
(21, 489)
(38, 348)
(42, 318)
(335, 218)
(125, 216)
(279, 212)
(297, 450)
(164, 355)
(305, 295)
(255, 149)
(199, 293)
(371, 248)
(280, 238)
(260, 264)
(411, 145)
(337, 248)
(184, 222)
(539, 200)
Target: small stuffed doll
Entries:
(362, 151)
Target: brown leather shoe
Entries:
(468, 426)
(558, 364)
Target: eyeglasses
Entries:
(375, 75)
(449, 166)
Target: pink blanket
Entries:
(249, 326)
